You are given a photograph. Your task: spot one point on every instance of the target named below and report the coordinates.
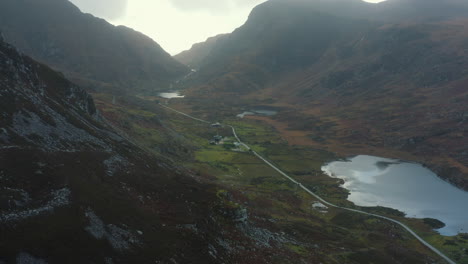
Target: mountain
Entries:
(89, 50)
(279, 37)
(355, 77)
(72, 190)
(283, 36)
(194, 57)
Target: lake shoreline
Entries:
(397, 185)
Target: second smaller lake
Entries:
(259, 112)
(170, 95)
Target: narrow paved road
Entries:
(184, 114)
(425, 243)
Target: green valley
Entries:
(245, 182)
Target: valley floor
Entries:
(301, 226)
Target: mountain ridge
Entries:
(87, 49)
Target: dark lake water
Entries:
(408, 187)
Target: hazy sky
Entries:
(174, 24)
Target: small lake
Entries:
(408, 187)
(170, 95)
(258, 112)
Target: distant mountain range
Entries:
(89, 50)
(287, 35)
(388, 75)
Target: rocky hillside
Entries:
(72, 190)
(378, 78)
(87, 49)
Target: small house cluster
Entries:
(216, 140)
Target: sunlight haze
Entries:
(174, 24)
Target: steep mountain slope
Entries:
(296, 20)
(278, 38)
(87, 49)
(194, 57)
(376, 78)
(284, 36)
(74, 191)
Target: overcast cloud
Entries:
(213, 6)
(108, 9)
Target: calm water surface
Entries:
(259, 112)
(170, 95)
(408, 187)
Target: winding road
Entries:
(425, 243)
